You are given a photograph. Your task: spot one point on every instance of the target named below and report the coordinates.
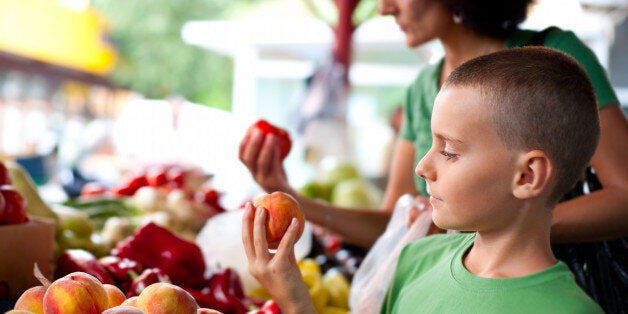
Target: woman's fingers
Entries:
(250, 149)
(268, 153)
(259, 234)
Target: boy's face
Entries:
(469, 172)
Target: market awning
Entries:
(47, 31)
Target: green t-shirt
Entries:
(422, 93)
(430, 278)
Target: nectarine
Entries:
(123, 309)
(77, 292)
(166, 298)
(31, 300)
(115, 296)
(281, 209)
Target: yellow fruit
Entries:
(335, 310)
(308, 264)
(319, 296)
(337, 287)
(260, 292)
(24, 184)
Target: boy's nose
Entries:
(423, 168)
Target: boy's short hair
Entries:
(539, 98)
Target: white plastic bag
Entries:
(372, 278)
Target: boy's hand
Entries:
(261, 155)
(277, 272)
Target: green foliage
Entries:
(154, 60)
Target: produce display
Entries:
(129, 248)
(341, 183)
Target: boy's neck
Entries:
(511, 253)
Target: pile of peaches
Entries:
(79, 292)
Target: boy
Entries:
(513, 131)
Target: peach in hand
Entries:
(166, 298)
(77, 292)
(31, 300)
(281, 209)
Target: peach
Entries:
(132, 301)
(166, 298)
(123, 309)
(77, 292)
(31, 300)
(19, 312)
(281, 209)
(115, 296)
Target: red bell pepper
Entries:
(154, 246)
(269, 307)
(146, 278)
(223, 293)
(72, 260)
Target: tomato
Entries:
(283, 137)
(15, 206)
(93, 189)
(3, 205)
(210, 197)
(156, 176)
(176, 177)
(5, 176)
(130, 185)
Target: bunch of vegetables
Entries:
(155, 254)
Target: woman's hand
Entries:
(277, 272)
(421, 206)
(261, 155)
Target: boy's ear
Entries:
(533, 176)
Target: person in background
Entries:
(468, 29)
(504, 126)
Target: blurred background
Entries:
(90, 89)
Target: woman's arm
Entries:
(603, 214)
(359, 226)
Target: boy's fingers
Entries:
(286, 246)
(259, 233)
(247, 229)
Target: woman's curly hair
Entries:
(494, 18)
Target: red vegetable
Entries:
(211, 197)
(283, 137)
(73, 260)
(13, 210)
(269, 307)
(5, 175)
(154, 246)
(121, 269)
(146, 278)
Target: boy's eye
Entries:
(448, 154)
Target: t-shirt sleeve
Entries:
(406, 132)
